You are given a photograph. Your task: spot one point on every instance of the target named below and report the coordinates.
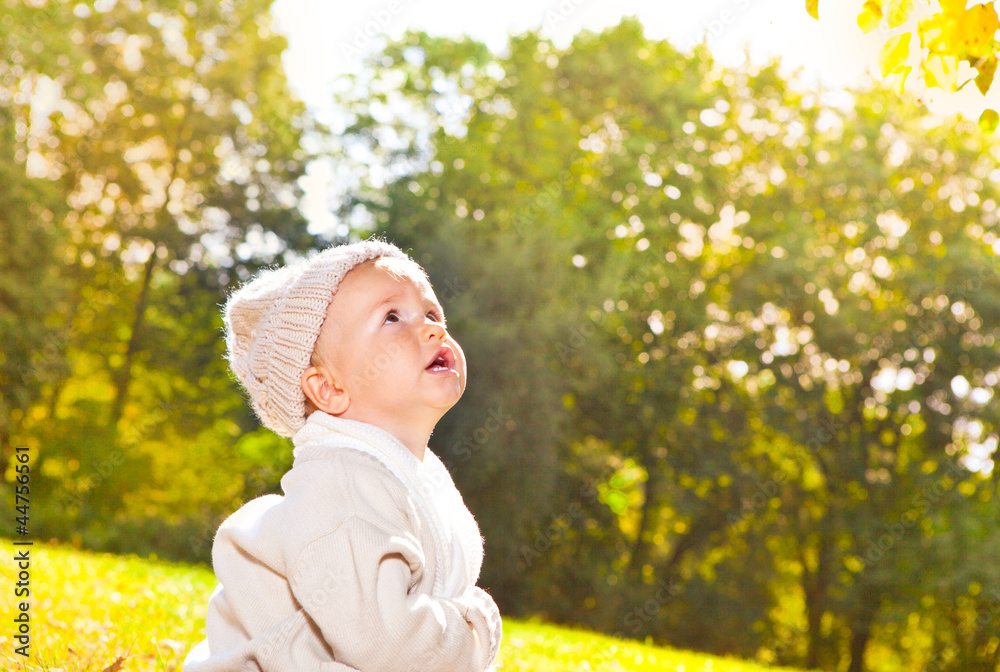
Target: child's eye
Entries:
(436, 316)
(391, 316)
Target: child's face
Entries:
(384, 342)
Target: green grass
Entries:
(103, 612)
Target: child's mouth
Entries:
(443, 361)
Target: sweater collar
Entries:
(320, 424)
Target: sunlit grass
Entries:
(89, 609)
(548, 648)
(96, 611)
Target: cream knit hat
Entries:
(272, 323)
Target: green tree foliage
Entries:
(168, 133)
(770, 318)
(28, 287)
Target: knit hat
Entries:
(272, 323)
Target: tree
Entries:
(31, 355)
(956, 33)
(168, 132)
(748, 268)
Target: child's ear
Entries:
(322, 390)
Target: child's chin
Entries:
(445, 402)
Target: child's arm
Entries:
(355, 583)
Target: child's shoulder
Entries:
(319, 495)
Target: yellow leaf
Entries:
(899, 79)
(870, 16)
(977, 26)
(898, 12)
(812, 6)
(931, 32)
(967, 34)
(987, 68)
(952, 6)
(941, 71)
(893, 54)
(989, 120)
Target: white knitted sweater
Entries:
(347, 570)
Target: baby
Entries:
(370, 559)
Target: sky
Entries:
(324, 37)
(326, 40)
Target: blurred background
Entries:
(732, 327)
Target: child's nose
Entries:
(433, 330)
